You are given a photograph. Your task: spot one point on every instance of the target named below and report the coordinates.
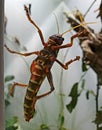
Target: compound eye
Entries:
(62, 39)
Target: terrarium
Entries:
(53, 64)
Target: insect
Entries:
(41, 67)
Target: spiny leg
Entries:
(16, 84)
(23, 54)
(65, 66)
(35, 25)
(49, 77)
(68, 44)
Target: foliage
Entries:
(8, 79)
(11, 124)
(61, 119)
(44, 127)
(74, 95)
(98, 119)
(84, 67)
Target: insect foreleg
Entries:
(35, 25)
(49, 77)
(13, 86)
(23, 54)
(65, 66)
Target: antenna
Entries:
(81, 24)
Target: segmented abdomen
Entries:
(37, 77)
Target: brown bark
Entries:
(90, 43)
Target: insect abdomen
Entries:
(37, 77)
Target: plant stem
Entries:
(89, 8)
(61, 90)
(97, 95)
(97, 103)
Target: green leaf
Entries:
(100, 128)
(84, 68)
(62, 128)
(44, 127)
(101, 107)
(83, 84)
(11, 122)
(7, 102)
(87, 95)
(12, 128)
(9, 78)
(98, 119)
(74, 95)
(61, 119)
(89, 92)
(74, 90)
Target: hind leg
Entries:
(16, 84)
(50, 80)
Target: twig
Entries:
(97, 103)
(89, 8)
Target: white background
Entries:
(49, 107)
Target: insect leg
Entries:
(49, 77)
(13, 86)
(23, 54)
(50, 80)
(69, 44)
(65, 66)
(35, 25)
